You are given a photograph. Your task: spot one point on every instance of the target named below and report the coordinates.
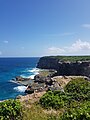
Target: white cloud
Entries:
(5, 41)
(55, 50)
(0, 53)
(79, 47)
(86, 26)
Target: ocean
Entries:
(9, 69)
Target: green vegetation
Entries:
(79, 89)
(72, 104)
(71, 58)
(75, 100)
(35, 112)
(53, 99)
(10, 110)
(77, 111)
(44, 73)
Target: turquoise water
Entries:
(9, 69)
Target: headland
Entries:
(55, 72)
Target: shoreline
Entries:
(44, 80)
(61, 80)
(28, 80)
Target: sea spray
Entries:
(30, 73)
(34, 70)
(20, 88)
(10, 69)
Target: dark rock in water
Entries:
(13, 79)
(19, 78)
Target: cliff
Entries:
(80, 65)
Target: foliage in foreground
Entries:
(79, 89)
(10, 110)
(35, 112)
(54, 99)
(73, 104)
(75, 100)
(77, 111)
(75, 90)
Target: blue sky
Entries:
(44, 27)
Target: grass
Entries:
(70, 107)
(44, 73)
(71, 58)
(36, 112)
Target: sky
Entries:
(35, 28)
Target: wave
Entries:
(13, 81)
(25, 76)
(30, 73)
(20, 88)
(32, 76)
(34, 70)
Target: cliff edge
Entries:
(66, 65)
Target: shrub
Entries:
(79, 89)
(53, 99)
(79, 112)
(75, 90)
(10, 110)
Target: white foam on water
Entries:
(20, 88)
(23, 76)
(32, 76)
(13, 81)
(34, 70)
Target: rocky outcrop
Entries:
(43, 79)
(65, 67)
(19, 78)
(48, 63)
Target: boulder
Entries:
(19, 78)
(29, 90)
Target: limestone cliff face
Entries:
(48, 63)
(65, 68)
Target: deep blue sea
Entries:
(9, 69)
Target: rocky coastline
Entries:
(76, 68)
(41, 81)
(54, 75)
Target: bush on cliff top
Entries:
(71, 58)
